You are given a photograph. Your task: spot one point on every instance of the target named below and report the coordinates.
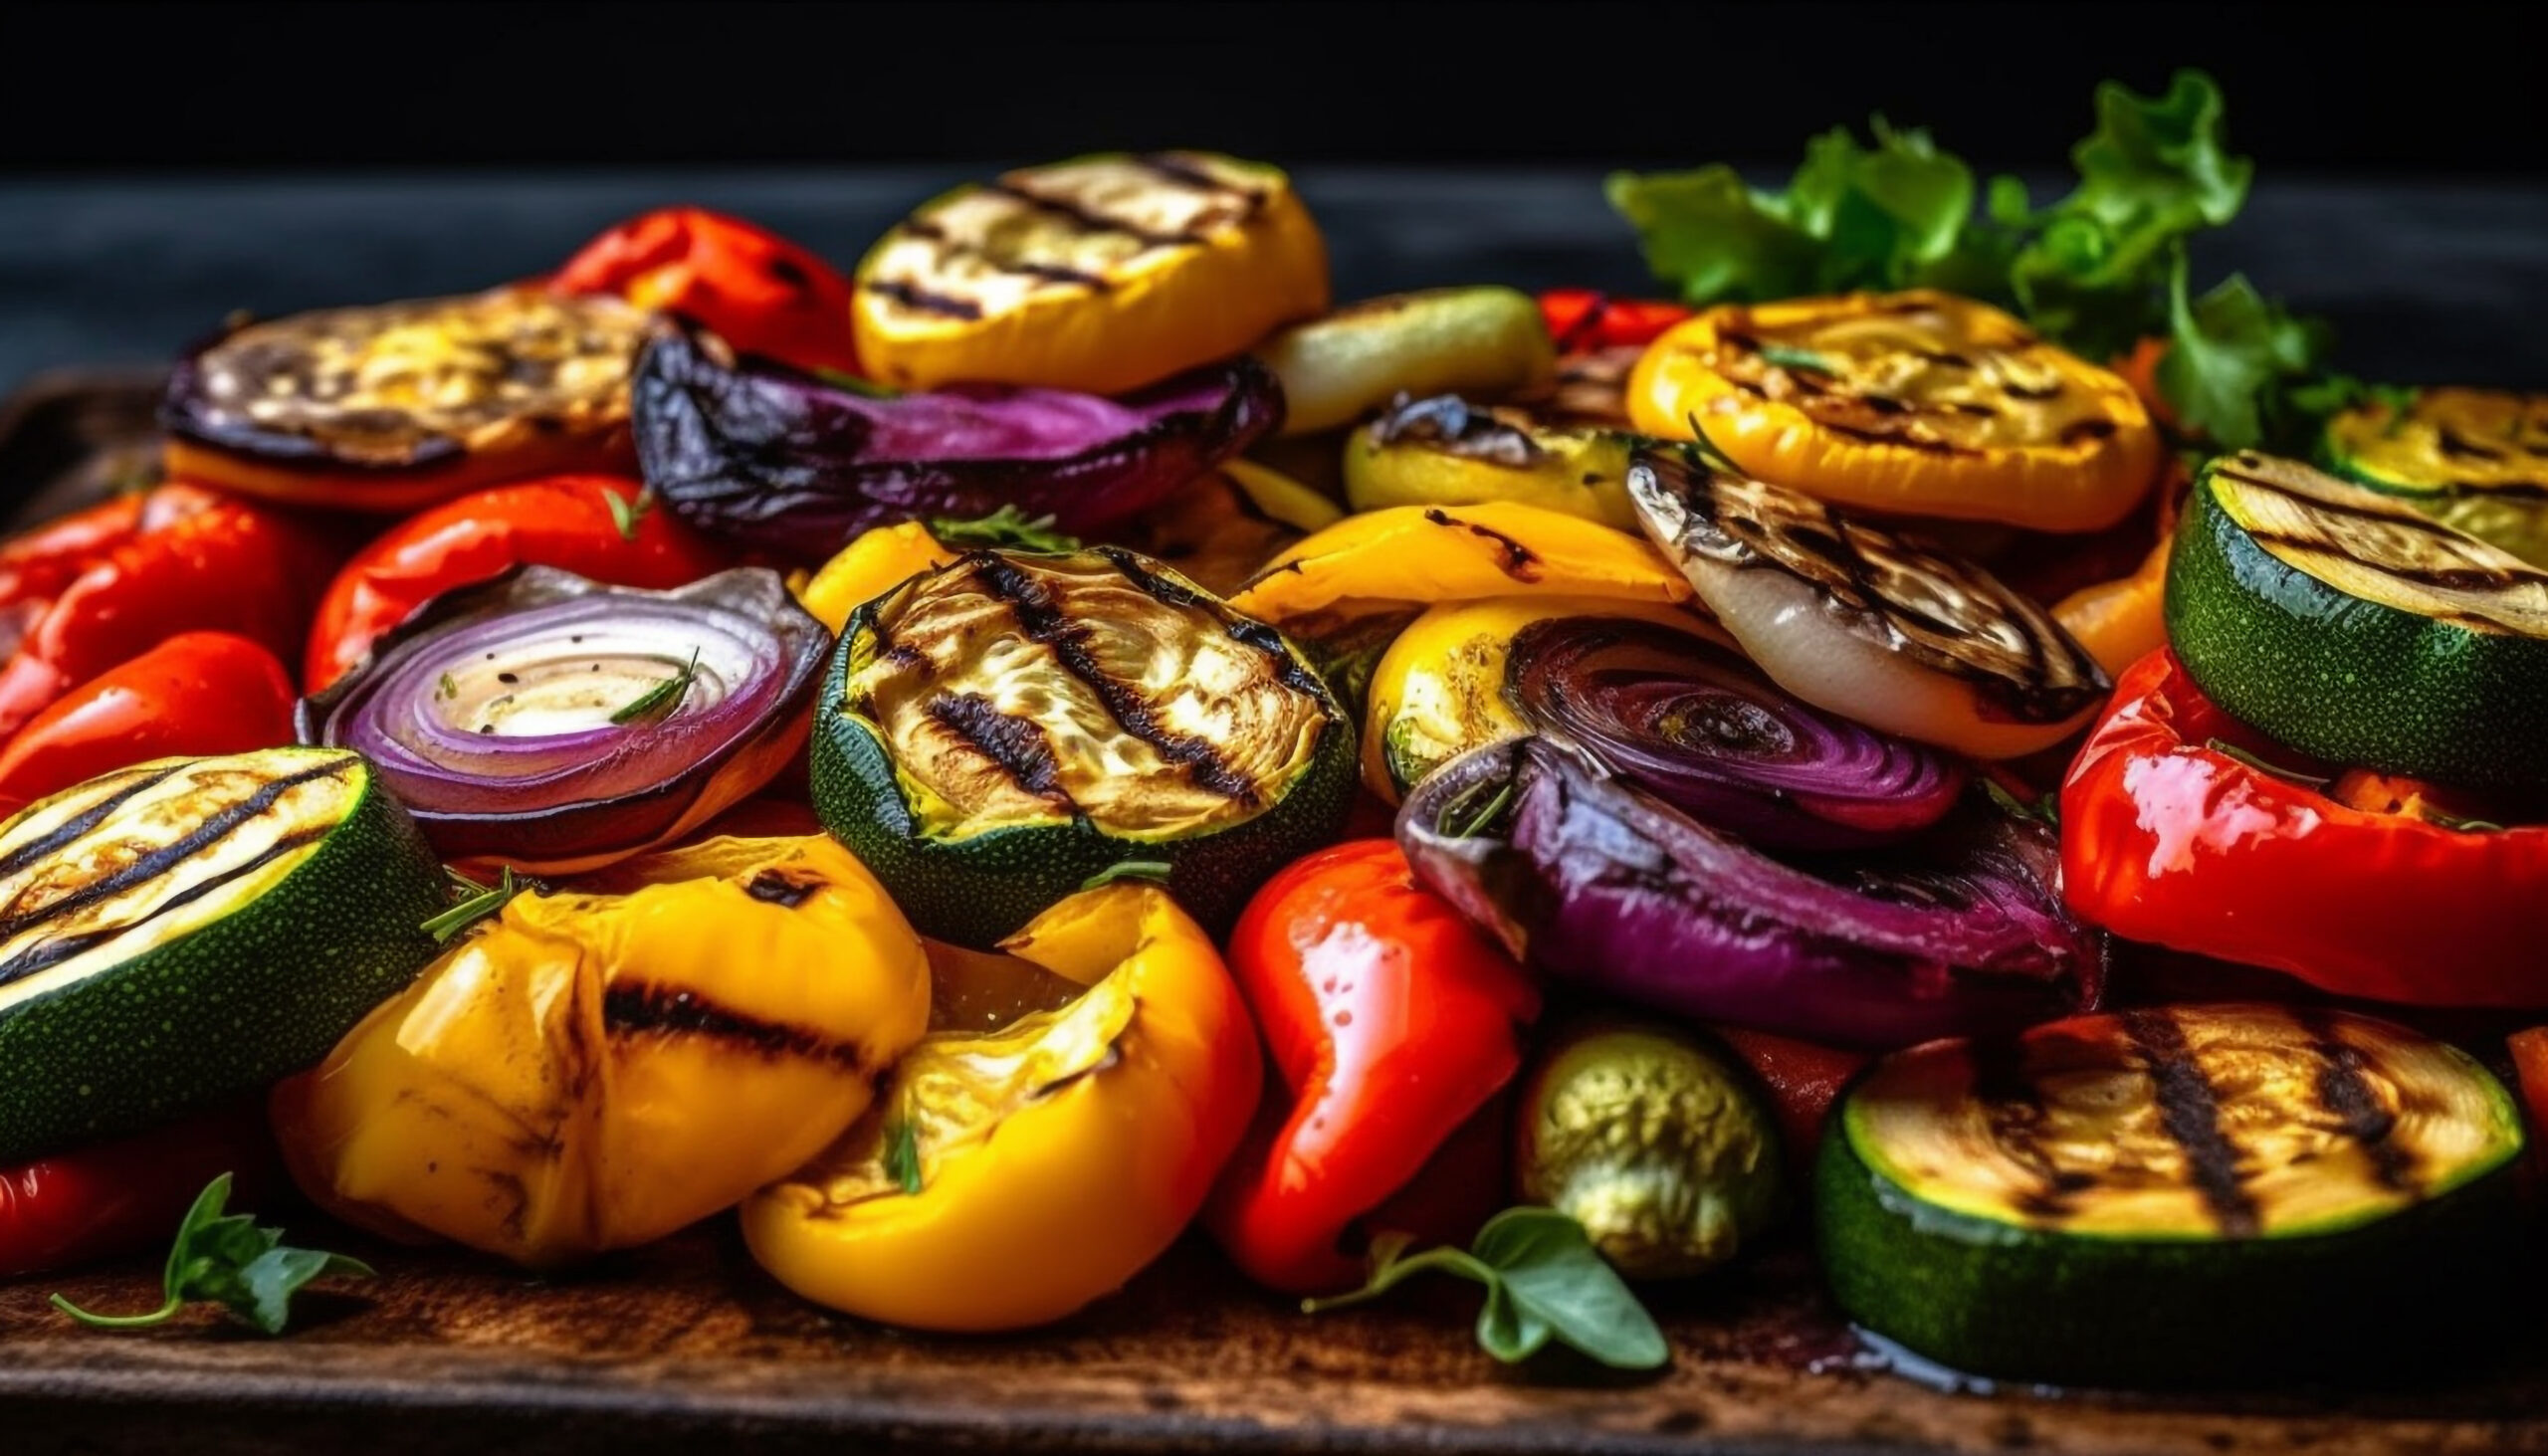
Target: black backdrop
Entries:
(2423, 89)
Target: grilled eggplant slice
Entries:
(999, 730)
(2170, 1195)
(2360, 631)
(2476, 459)
(1445, 450)
(189, 929)
(1865, 620)
(392, 407)
(1101, 274)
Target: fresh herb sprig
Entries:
(228, 1260)
(1544, 1282)
(1005, 529)
(627, 512)
(1154, 871)
(660, 701)
(902, 1156)
(476, 902)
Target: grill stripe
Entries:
(912, 296)
(1044, 622)
(2342, 1089)
(2190, 1113)
(1186, 174)
(631, 1008)
(1016, 744)
(159, 862)
(1088, 221)
(81, 823)
(51, 953)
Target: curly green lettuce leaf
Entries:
(2238, 368)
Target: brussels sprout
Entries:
(1654, 1142)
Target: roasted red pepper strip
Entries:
(2169, 840)
(196, 693)
(758, 292)
(1584, 320)
(1390, 1021)
(1803, 1079)
(127, 1195)
(567, 522)
(2531, 1066)
(110, 583)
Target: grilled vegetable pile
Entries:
(1937, 741)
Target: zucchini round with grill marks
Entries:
(996, 733)
(1864, 620)
(2170, 1195)
(1487, 339)
(395, 406)
(2473, 459)
(186, 930)
(2360, 631)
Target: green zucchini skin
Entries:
(2347, 681)
(978, 889)
(1995, 1300)
(234, 1005)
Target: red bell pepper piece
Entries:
(1803, 1079)
(2530, 1067)
(1391, 1022)
(196, 693)
(105, 586)
(2170, 840)
(567, 522)
(758, 292)
(127, 1195)
(1584, 320)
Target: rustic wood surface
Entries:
(687, 1342)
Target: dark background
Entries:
(2429, 89)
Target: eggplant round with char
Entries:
(1865, 619)
(768, 458)
(997, 733)
(392, 407)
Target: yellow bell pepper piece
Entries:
(1418, 554)
(875, 561)
(1919, 403)
(2470, 458)
(1007, 1178)
(592, 1070)
(1438, 690)
(1100, 274)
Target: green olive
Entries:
(1653, 1141)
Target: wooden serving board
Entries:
(687, 1342)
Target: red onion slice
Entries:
(558, 724)
(1957, 931)
(768, 458)
(1703, 729)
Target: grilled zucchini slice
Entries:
(2170, 1195)
(186, 930)
(392, 407)
(2359, 630)
(999, 730)
(1100, 274)
(2476, 459)
(1483, 340)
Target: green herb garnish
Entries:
(902, 1156)
(2045, 810)
(659, 702)
(229, 1261)
(446, 688)
(1156, 871)
(1458, 820)
(1789, 357)
(1005, 529)
(476, 902)
(626, 512)
(2228, 749)
(1544, 1281)
(868, 388)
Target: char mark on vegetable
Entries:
(79, 825)
(1518, 560)
(2014, 1109)
(2342, 1089)
(1017, 746)
(2190, 1113)
(777, 887)
(59, 948)
(168, 857)
(1185, 175)
(1089, 220)
(912, 295)
(1045, 622)
(636, 1009)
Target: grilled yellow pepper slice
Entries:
(1438, 690)
(875, 561)
(1419, 554)
(1006, 1178)
(1100, 274)
(2475, 460)
(1919, 403)
(1445, 451)
(593, 1070)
